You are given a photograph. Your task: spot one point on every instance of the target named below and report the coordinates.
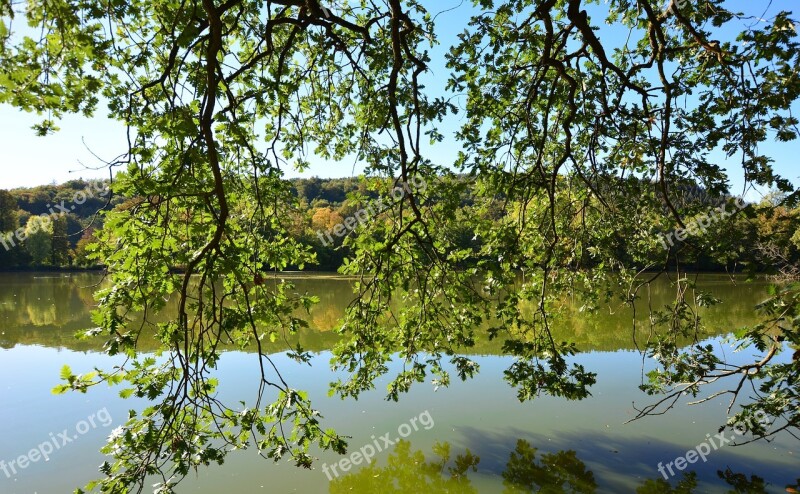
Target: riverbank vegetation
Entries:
(764, 237)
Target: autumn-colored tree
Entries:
(81, 252)
(325, 219)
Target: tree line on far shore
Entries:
(28, 242)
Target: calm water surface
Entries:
(471, 437)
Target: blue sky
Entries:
(70, 153)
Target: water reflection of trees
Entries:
(49, 301)
(741, 484)
(408, 471)
(49, 310)
(527, 470)
(46, 309)
(551, 472)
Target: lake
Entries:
(471, 437)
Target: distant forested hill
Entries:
(50, 225)
(76, 207)
(327, 209)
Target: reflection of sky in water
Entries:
(482, 416)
